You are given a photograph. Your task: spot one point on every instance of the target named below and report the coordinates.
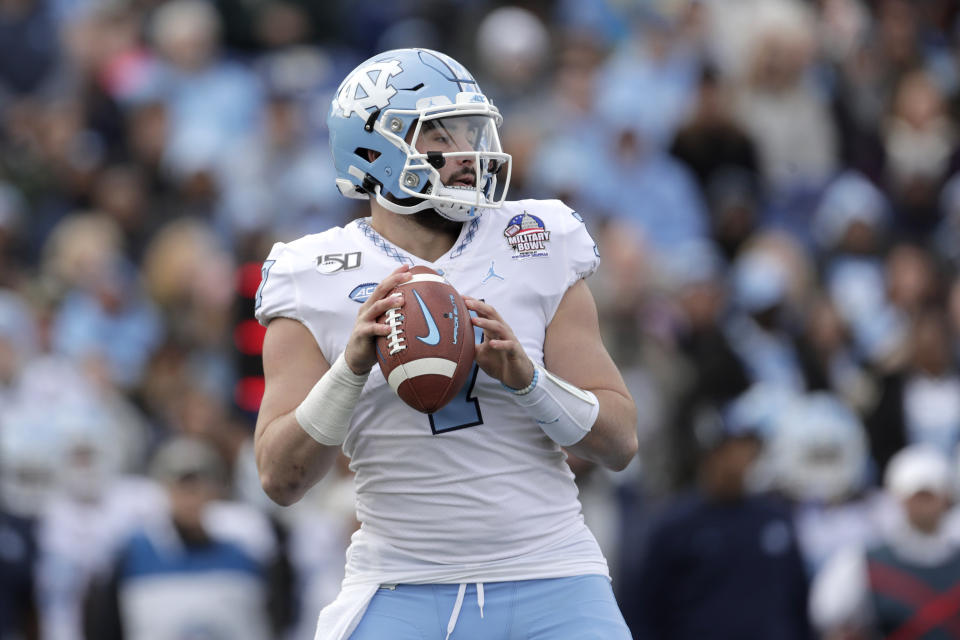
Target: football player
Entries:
(470, 522)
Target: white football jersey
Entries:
(475, 492)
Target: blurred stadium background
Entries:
(772, 184)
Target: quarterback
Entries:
(470, 523)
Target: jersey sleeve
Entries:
(576, 255)
(277, 296)
(582, 255)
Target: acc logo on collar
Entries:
(333, 262)
(367, 88)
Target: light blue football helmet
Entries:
(383, 109)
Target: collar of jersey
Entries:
(392, 251)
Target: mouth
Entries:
(463, 181)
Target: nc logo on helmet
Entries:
(367, 87)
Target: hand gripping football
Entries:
(429, 352)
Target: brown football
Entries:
(429, 352)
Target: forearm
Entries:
(612, 441)
(289, 460)
(597, 424)
(300, 445)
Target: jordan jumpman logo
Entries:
(491, 274)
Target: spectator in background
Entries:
(817, 458)
(919, 140)
(723, 158)
(711, 140)
(28, 472)
(867, 54)
(672, 211)
(209, 96)
(512, 51)
(567, 134)
(104, 320)
(654, 71)
(194, 571)
(714, 373)
(184, 270)
(29, 48)
(211, 101)
(281, 177)
(830, 348)
(720, 563)
(944, 240)
(18, 342)
(735, 202)
(784, 112)
(849, 229)
(147, 130)
(12, 222)
(18, 608)
(761, 327)
(95, 507)
(906, 585)
(120, 193)
(919, 403)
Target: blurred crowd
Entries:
(774, 186)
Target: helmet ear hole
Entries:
(368, 155)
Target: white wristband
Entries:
(325, 413)
(565, 413)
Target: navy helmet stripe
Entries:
(461, 76)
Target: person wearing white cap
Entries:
(909, 584)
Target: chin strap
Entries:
(398, 208)
(442, 208)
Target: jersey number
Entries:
(264, 272)
(464, 410)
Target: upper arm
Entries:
(292, 364)
(573, 349)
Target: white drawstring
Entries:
(455, 615)
(456, 609)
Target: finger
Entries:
(397, 276)
(380, 307)
(482, 308)
(493, 328)
(502, 345)
(371, 329)
(379, 329)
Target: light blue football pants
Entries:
(576, 608)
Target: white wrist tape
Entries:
(565, 413)
(325, 413)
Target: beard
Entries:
(431, 220)
(428, 219)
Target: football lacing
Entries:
(395, 337)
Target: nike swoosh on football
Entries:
(433, 337)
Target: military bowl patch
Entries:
(527, 236)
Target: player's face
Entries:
(458, 134)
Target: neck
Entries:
(426, 234)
